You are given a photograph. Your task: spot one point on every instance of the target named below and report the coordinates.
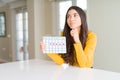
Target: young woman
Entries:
(80, 41)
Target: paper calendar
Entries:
(54, 44)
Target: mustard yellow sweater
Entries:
(84, 57)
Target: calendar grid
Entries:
(54, 44)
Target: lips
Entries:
(72, 24)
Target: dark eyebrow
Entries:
(75, 13)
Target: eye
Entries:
(75, 15)
(68, 16)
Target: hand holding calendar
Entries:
(54, 44)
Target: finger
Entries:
(42, 46)
(71, 33)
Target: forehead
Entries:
(72, 11)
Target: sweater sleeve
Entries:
(85, 57)
(56, 58)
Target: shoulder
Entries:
(91, 35)
(91, 39)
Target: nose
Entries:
(71, 18)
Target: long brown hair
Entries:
(69, 56)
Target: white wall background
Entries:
(40, 23)
(104, 20)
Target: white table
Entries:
(48, 70)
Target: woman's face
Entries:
(73, 19)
